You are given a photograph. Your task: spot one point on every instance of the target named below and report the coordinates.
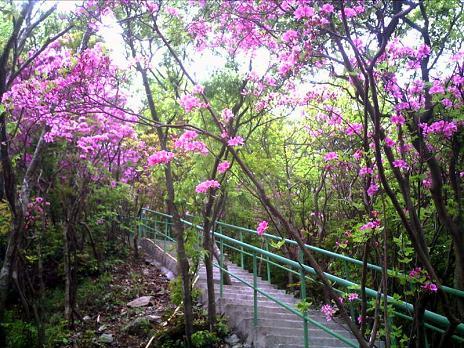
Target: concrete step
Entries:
(240, 287)
(276, 326)
(238, 313)
(263, 339)
(298, 324)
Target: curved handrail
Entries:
(406, 306)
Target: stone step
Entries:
(265, 339)
(276, 326)
(299, 325)
(241, 312)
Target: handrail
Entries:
(447, 289)
(292, 310)
(432, 316)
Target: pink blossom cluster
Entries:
(402, 164)
(227, 115)
(35, 210)
(76, 99)
(187, 142)
(371, 225)
(429, 287)
(204, 186)
(353, 297)
(330, 156)
(160, 157)
(235, 141)
(372, 189)
(328, 311)
(223, 167)
(262, 227)
(440, 127)
(189, 102)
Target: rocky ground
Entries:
(134, 309)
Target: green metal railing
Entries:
(434, 321)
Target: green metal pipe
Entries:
(437, 318)
(294, 311)
(449, 290)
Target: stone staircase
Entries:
(277, 327)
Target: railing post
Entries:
(221, 273)
(268, 265)
(303, 297)
(143, 226)
(255, 291)
(166, 226)
(346, 273)
(156, 226)
(242, 256)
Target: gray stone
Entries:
(106, 338)
(102, 328)
(152, 318)
(86, 318)
(232, 340)
(138, 327)
(142, 301)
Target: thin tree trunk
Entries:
(207, 245)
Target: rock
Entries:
(138, 327)
(232, 340)
(154, 318)
(102, 328)
(86, 318)
(238, 345)
(140, 302)
(106, 338)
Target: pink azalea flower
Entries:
(437, 88)
(160, 157)
(330, 156)
(189, 102)
(304, 12)
(430, 287)
(262, 226)
(372, 190)
(328, 311)
(198, 89)
(235, 141)
(352, 297)
(365, 171)
(370, 225)
(187, 142)
(400, 164)
(397, 119)
(415, 272)
(447, 103)
(172, 11)
(290, 35)
(227, 115)
(427, 183)
(327, 8)
(349, 12)
(207, 185)
(223, 167)
(389, 142)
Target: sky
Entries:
(202, 66)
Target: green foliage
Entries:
(303, 306)
(20, 334)
(5, 218)
(176, 291)
(204, 338)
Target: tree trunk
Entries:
(208, 246)
(183, 270)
